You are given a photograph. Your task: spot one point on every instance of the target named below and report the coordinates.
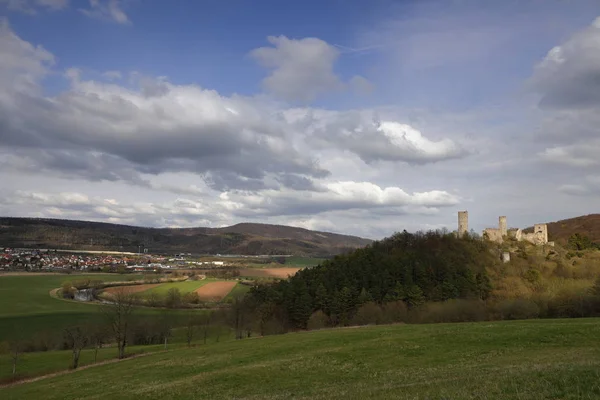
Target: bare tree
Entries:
(15, 349)
(190, 327)
(206, 320)
(119, 315)
(76, 340)
(97, 335)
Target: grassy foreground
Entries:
(536, 359)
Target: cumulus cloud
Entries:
(107, 10)
(569, 76)
(198, 157)
(301, 69)
(373, 139)
(568, 83)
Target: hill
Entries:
(247, 238)
(560, 231)
(492, 360)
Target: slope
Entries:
(560, 231)
(513, 359)
(250, 239)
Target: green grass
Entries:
(302, 261)
(238, 290)
(536, 359)
(27, 307)
(184, 287)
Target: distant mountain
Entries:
(245, 238)
(560, 231)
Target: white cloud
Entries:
(301, 69)
(112, 75)
(31, 6)
(567, 78)
(106, 10)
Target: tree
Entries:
(206, 320)
(76, 340)
(191, 325)
(173, 299)
(96, 335)
(119, 315)
(15, 349)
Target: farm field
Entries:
(533, 359)
(184, 287)
(282, 272)
(27, 307)
(215, 291)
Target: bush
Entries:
(154, 299)
(318, 320)
(452, 311)
(517, 309)
(368, 314)
(394, 311)
(67, 290)
(191, 298)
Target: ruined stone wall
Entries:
(463, 223)
(493, 235)
(539, 235)
(515, 233)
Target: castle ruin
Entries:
(538, 237)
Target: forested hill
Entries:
(585, 225)
(248, 239)
(402, 270)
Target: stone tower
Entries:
(463, 223)
(502, 226)
(541, 233)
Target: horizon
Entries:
(353, 118)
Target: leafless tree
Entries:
(206, 320)
(97, 336)
(15, 350)
(191, 326)
(76, 340)
(119, 315)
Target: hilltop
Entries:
(245, 238)
(560, 231)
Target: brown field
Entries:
(269, 272)
(215, 291)
(131, 289)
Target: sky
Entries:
(356, 117)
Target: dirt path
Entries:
(70, 371)
(215, 291)
(284, 272)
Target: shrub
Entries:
(318, 320)
(155, 300)
(452, 311)
(394, 311)
(67, 290)
(368, 314)
(191, 298)
(517, 309)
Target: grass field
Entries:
(27, 307)
(238, 290)
(302, 261)
(535, 359)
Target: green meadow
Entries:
(26, 307)
(533, 359)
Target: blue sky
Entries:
(321, 114)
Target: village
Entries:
(23, 259)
